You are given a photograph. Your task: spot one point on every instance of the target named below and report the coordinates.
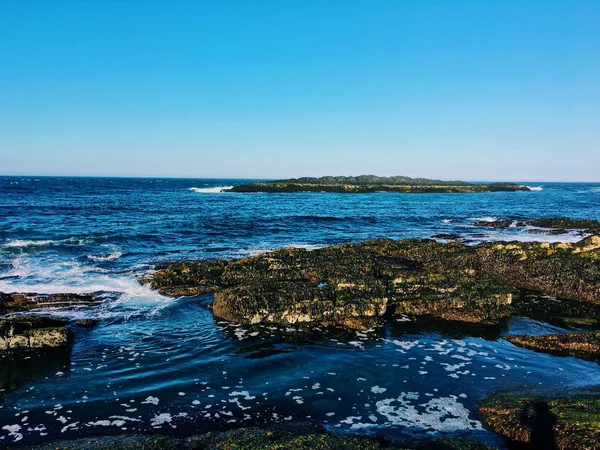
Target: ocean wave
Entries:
(126, 296)
(18, 243)
(110, 257)
(211, 190)
(535, 188)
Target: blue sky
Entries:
(477, 90)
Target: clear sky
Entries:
(475, 90)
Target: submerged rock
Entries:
(357, 284)
(583, 345)
(565, 420)
(25, 334)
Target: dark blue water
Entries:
(162, 364)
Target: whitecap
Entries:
(110, 257)
(535, 188)
(211, 190)
(18, 243)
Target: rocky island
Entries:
(372, 183)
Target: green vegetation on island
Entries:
(372, 183)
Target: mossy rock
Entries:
(345, 284)
(25, 334)
(583, 345)
(576, 415)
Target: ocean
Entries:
(158, 364)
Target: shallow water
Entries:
(156, 363)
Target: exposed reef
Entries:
(565, 420)
(549, 225)
(356, 285)
(371, 183)
(583, 345)
(26, 334)
(281, 437)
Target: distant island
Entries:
(372, 183)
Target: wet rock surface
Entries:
(550, 225)
(358, 284)
(565, 420)
(21, 302)
(583, 345)
(23, 335)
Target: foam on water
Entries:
(535, 188)
(483, 219)
(211, 190)
(125, 296)
(110, 257)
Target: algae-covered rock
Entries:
(583, 345)
(566, 420)
(188, 279)
(24, 334)
(357, 284)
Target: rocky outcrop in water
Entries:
(549, 225)
(18, 302)
(357, 284)
(567, 420)
(27, 334)
(371, 183)
(583, 345)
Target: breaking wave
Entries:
(211, 190)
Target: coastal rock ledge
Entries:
(356, 285)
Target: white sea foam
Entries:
(570, 237)
(212, 190)
(483, 219)
(33, 275)
(444, 414)
(110, 257)
(535, 188)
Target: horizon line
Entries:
(272, 179)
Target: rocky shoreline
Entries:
(361, 285)
(371, 183)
